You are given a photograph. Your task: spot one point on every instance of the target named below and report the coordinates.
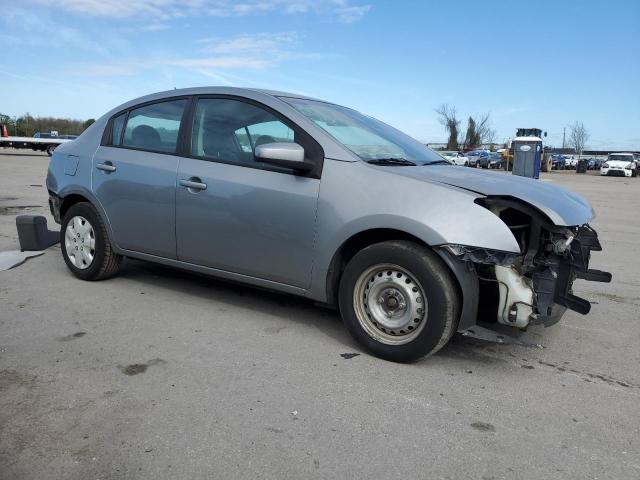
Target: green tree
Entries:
(451, 124)
(472, 138)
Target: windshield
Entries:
(365, 136)
(621, 158)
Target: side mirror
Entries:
(287, 155)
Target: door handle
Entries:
(193, 184)
(106, 167)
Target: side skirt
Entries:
(214, 272)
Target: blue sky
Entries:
(543, 64)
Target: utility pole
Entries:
(563, 131)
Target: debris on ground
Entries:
(13, 258)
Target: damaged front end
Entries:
(530, 287)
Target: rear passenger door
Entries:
(134, 175)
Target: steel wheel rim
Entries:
(80, 242)
(390, 304)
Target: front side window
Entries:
(155, 127)
(229, 130)
(365, 136)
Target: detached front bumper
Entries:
(554, 273)
(534, 287)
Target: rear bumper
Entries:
(54, 206)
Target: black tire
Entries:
(106, 262)
(439, 287)
(50, 149)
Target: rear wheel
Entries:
(86, 248)
(399, 300)
(50, 149)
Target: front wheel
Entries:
(86, 248)
(399, 300)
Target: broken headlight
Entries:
(481, 255)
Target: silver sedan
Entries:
(310, 198)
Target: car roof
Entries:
(278, 93)
(213, 90)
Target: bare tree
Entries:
(449, 119)
(486, 134)
(578, 136)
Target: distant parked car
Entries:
(481, 157)
(572, 162)
(620, 165)
(474, 156)
(594, 163)
(558, 162)
(456, 158)
(496, 161)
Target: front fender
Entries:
(355, 198)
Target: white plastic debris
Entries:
(14, 258)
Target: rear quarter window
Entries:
(116, 129)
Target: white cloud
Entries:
(265, 43)
(343, 10)
(42, 31)
(350, 13)
(242, 52)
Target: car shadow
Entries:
(289, 307)
(21, 154)
(460, 350)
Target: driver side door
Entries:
(244, 216)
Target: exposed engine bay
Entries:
(535, 286)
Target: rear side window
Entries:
(154, 127)
(116, 129)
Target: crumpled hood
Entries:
(560, 205)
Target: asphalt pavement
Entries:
(160, 373)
